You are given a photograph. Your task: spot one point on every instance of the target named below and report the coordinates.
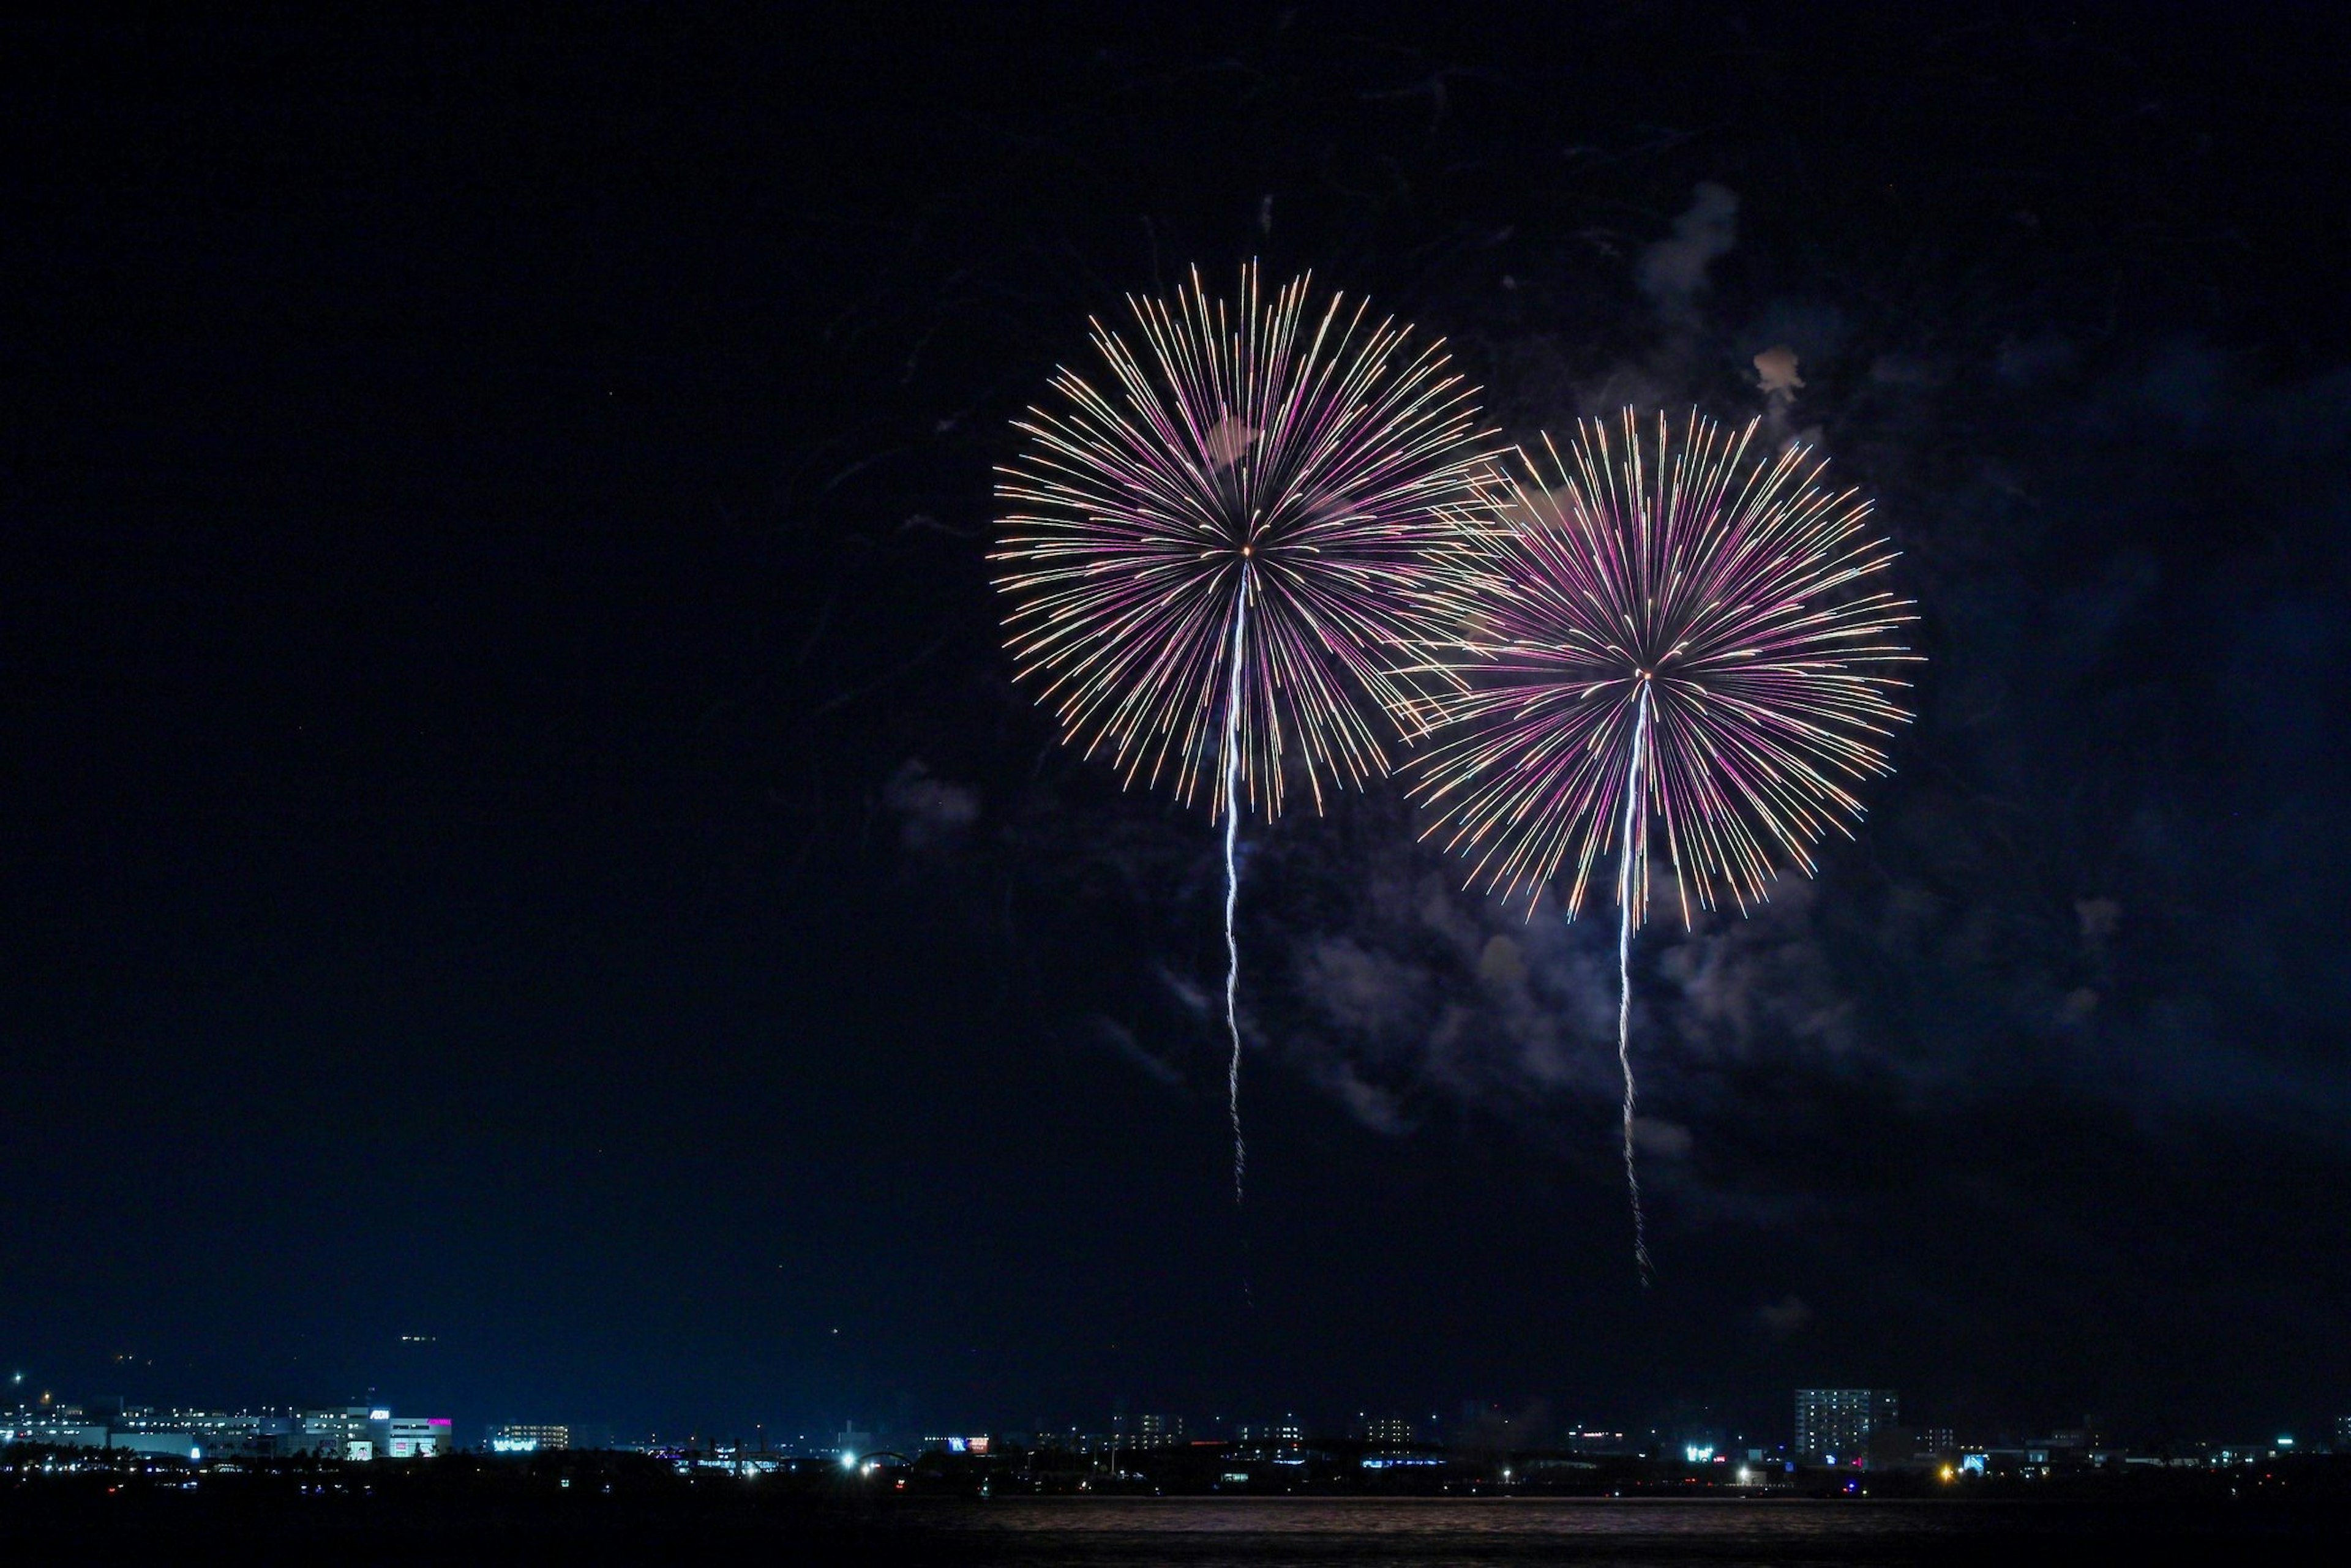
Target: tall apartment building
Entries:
(1159, 1431)
(1289, 1429)
(1835, 1423)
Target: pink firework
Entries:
(1256, 478)
(1216, 560)
(1658, 633)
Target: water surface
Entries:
(1201, 1532)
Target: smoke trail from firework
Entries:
(1665, 628)
(1624, 978)
(1233, 881)
(1214, 561)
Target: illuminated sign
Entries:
(976, 1444)
(513, 1444)
(956, 1446)
(379, 1415)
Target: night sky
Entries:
(515, 827)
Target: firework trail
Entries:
(1233, 880)
(1217, 558)
(1625, 979)
(1657, 626)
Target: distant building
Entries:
(55, 1431)
(345, 1434)
(2343, 1434)
(1286, 1430)
(1388, 1429)
(1937, 1440)
(1697, 1444)
(415, 1436)
(524, 1437)
(1158, 1431)
(220, 1434)
(179, 1444)
(1835, 1423)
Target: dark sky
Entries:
(515, 826)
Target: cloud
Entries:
(931, 810)
(1736, 987)
(1374, 1107)
(1667, 1140)
(1121, 1039)
(1502, 962)
(1186, 990)
(1775, 370)
(1419, 990)
(2099, 917)
(1355, 990)
(1671, 272)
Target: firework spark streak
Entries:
(1215, 561)
(1233, 880)
(1656, 625)
(1625, 980)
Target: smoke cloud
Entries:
(1673, 272)
(931, 812)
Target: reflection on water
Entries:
(1201, 1532)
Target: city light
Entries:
(1250, 1460)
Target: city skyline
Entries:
(1826, 1421)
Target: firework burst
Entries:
(1658, 630)
(1216, 557)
